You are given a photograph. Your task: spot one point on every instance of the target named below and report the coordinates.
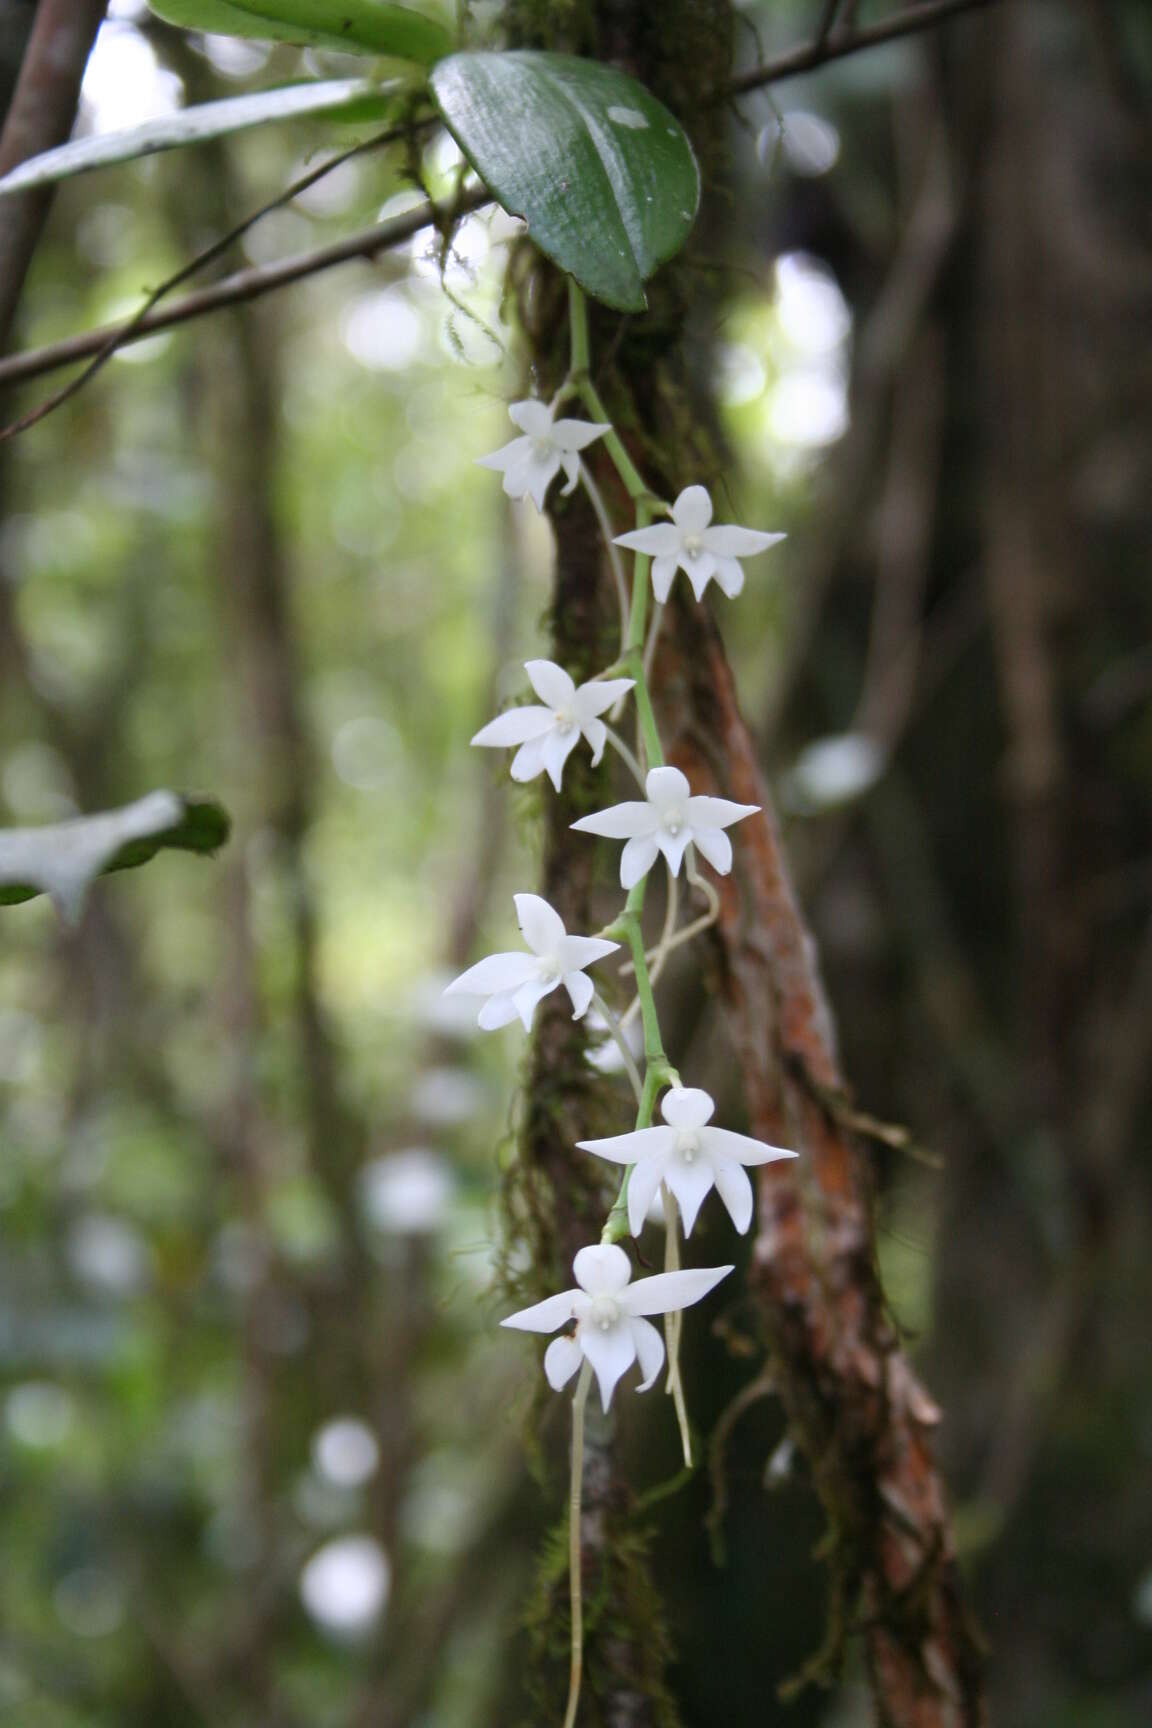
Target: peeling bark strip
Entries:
(857, 1408)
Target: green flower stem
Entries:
(580, 377)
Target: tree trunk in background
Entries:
(853, 1403)
(41, 114)
(1001, 865)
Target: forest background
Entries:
(261, 1443)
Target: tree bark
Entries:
(854, 1404)
(41, 116)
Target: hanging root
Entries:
(575, 1581)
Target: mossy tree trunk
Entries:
(853, 1402)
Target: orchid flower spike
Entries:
(547, 735)
(668, 821)
(691, 544)
(531, 463)
(515, 982)
(607, 1309)
(690, 1157)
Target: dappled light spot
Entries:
(124, 83)
(39, 1415)
(407, 1193)
(383, 330)
(344, 1586)
(832, 771)
(346, 1452)
(90, 1602)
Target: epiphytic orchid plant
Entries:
(602, 1324)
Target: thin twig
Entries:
(245, 285)
(820, 51)
(251, 284)
(120, 335)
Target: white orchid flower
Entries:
(669, 820)
(531, 463)
(515, 982)
(690, 1157)
(691, 543)
(547, 735)
(608, 1308)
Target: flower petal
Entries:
(562, 1359)
(610, 1350)
(558, 746)
(662, 540)
(728, 541)
(529, 759)
(551, 683)
(687, 1106)
(576, 952)
(600, 694)
(714, 844)
(543, 1316)
(581, 991)
(570, 463)
(603, 1269)
(674, 847)
(724, 1145)
(638, 858)
(634, 1148)
(649, 1351)
(730, 575)
(735, 1190)
(700, 571)
(596, 733)
(578, 434)
(620, 821)
(528, 995)
(499, 1010)
(515, 726)
(647, 1175)
(540, 924)
(692, 511)
(497, 972)
(663, 572)
(666, 786)
(705, 812)
(689, 1181)
(503, 458)
(669, 1291)
(533, 417)
(538, 476)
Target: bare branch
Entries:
(121, 334)
(245, 285)
(825, 47)
(252, 284)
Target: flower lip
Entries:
(604, 1312)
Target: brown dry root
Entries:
(855, 1406)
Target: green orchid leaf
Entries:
(601, 172)
(356, 26)
(62, 860)
(338, 97)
